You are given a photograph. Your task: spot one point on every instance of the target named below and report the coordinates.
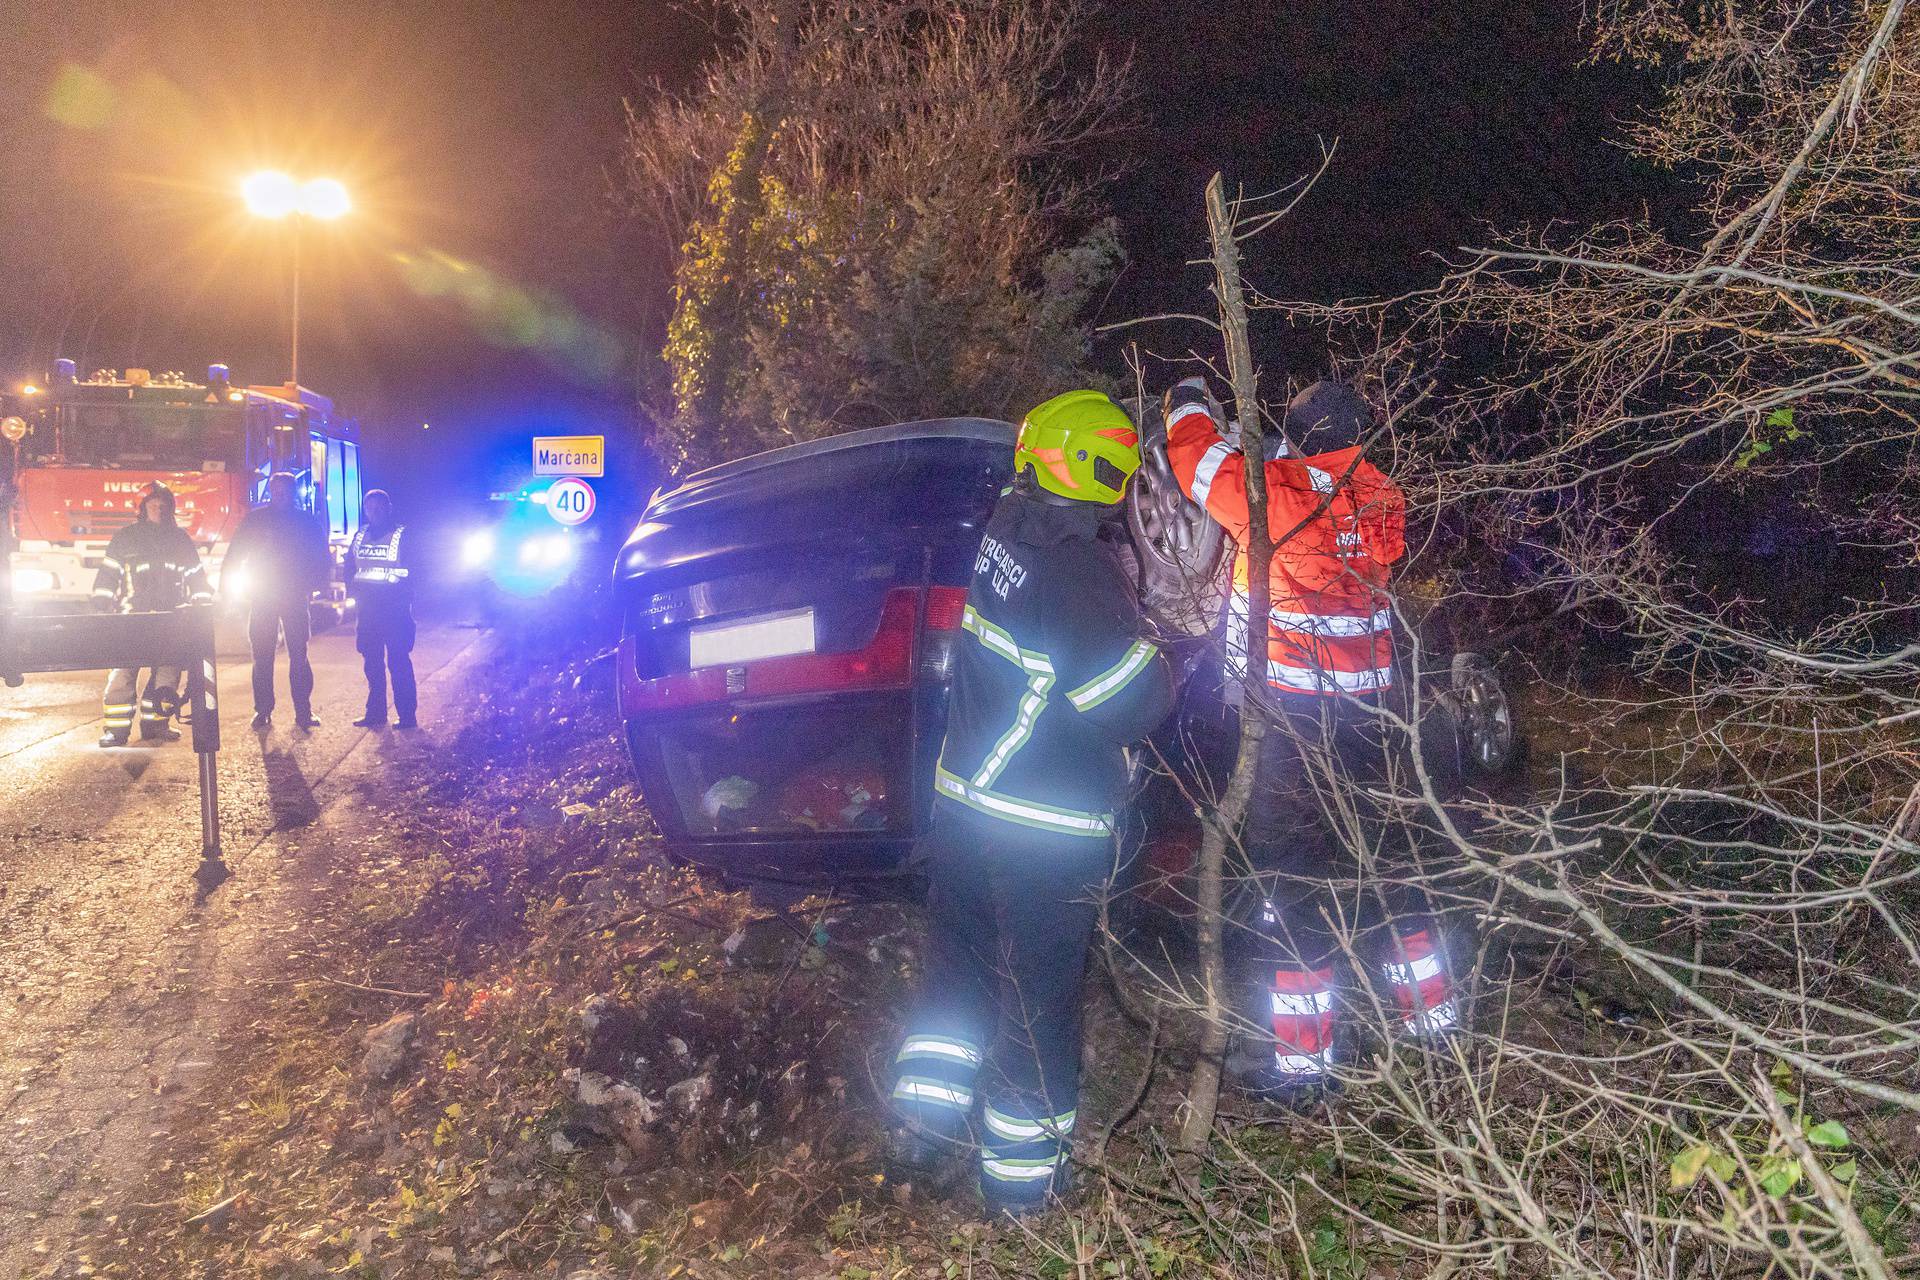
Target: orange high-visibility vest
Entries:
(1337, 525)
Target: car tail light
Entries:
(946, 606)
(885, 663)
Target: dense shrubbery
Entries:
(874, 219)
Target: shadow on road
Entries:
(134, 764)
(289, 794)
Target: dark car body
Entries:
(789, 621)
(816, 763)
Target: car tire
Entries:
(1179, 548)
(1485, 726)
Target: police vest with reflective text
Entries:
(379, 566)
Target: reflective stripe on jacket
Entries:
(1054, 677)
(149, 567)
(1337, 524)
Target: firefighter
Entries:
(280, 555)
(150, 565)
(1338, 527)
(379, 578)
(1057, 678)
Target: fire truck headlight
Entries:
(558, 551)
(233, 585)
(476, 549)
(35, 582)
(13, 427)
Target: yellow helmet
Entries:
(1079, 445)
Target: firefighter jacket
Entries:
(1337, 524)
(378, 571)
(1054, 678)
(151, 566)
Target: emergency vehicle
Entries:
(76, 453)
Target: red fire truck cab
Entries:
(75, 455)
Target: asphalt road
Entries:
(116, 986)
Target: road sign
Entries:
(570, 455)
(570, 501)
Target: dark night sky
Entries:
(478, 137)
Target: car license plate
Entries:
(771, 635)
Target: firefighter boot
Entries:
(1024, 1166)
(1301, 1009)
(154, 715)
(1416, 974)
(117, 705)
(932, 1104)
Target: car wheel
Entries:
(1484, 713)
(1178, 544)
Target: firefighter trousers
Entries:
(156, 705)
(1306, 812)
(267, 621)
(997, 1018)
(1317, 754)
(385, 645)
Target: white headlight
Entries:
(476, 548)
(233, 584)
(530, 552)
(559, 550)
(35, 582)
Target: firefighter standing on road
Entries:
(149, 566)
(1056, 680)
(1338, 526)
(379, 578)
(280, 555)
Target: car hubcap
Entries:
(1178, 543)
(1486, 717)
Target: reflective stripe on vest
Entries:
(1037, 668)
(1316, 653)
(1026, 813)
(379, 561)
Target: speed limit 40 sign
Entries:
(570, 501)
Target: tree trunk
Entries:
(1203, 1091)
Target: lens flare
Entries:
(270, 194)
(325, 198)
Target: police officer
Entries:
(1057, 678)
(149, 565)
(379, 578)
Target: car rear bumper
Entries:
(825, 858)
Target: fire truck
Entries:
(75, 454)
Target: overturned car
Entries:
(788, 626)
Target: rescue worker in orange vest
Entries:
(1055, 677)
(1338, 526)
